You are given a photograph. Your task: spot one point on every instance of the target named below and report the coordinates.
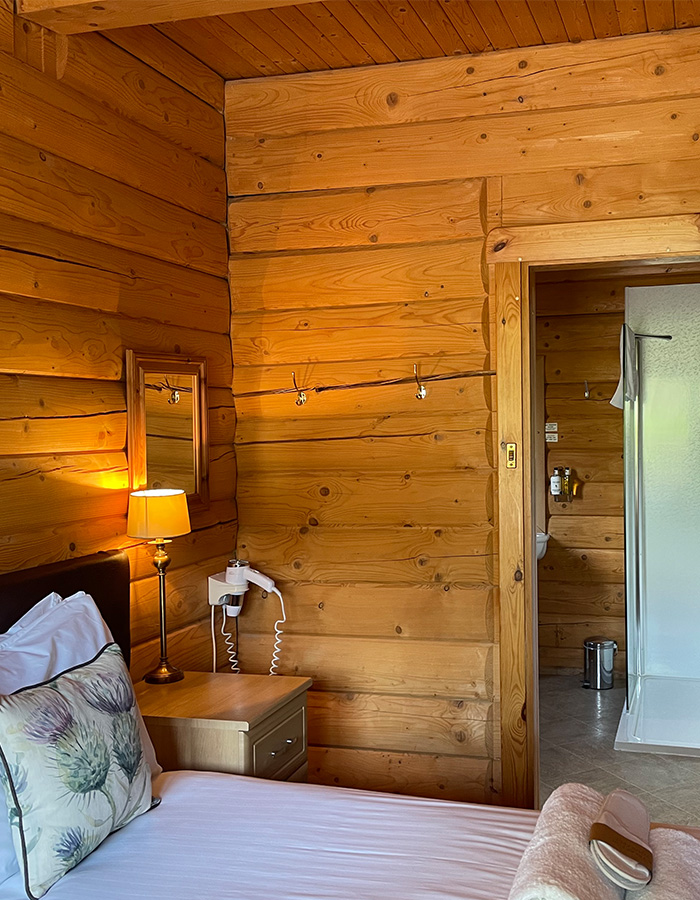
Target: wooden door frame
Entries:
(511, 255)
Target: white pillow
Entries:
(33, 614)
(54, 635)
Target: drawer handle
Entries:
(283, 749)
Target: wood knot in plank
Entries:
(501, 245)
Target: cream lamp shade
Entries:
(158, 514)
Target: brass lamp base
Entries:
(164, 673)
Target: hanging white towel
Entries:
(628, 386)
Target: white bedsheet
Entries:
(222, 836)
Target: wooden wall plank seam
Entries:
(58, 119)
(353, 218)
(178, 295)
(99, 69)
(468, 148)
(350, 276)
(40, 187)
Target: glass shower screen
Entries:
(662, 523)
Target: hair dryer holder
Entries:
(228, 588)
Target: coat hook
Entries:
(586, 392)
(421, 393)
(301, 396)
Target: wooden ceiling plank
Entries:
(660, 15)
(286, 38)
(260, 38)
(604, 19)
(574, 14)
(294, 19)
(377, 16)
(172, 60)
(438, 23)
(549, 21)
(521, 22)
(201, 40)
(494, 24)
(75, 16)
(687, 13)
(412, 25)
(320, 16)
(631, 16)
(361, 30)
(245, 49)
(466, 23)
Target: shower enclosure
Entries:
(662, 521)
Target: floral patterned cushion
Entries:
(73, 766)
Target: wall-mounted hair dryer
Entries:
(227, 590)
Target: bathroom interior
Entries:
(617, 529)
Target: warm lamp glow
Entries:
(157, 515)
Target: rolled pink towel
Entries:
(620, 841)
(557, 863)
(676, 867)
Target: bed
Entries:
(226, 836)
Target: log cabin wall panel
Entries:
(370, 507)
(359, 201)
(112, 204)
(582, 575)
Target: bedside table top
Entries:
(244, 700)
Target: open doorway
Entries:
(577, 316)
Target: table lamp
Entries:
(158, 516)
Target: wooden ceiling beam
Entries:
(76, 16)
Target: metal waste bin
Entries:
(599, 656)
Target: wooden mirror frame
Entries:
(138, 365)
(511, 254)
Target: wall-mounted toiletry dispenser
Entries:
(562, 484)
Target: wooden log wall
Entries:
(359, 203)
(112, 204)
(374, 510)
(582, 576)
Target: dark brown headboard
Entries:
(105, 576)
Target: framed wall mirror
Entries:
(167, 439)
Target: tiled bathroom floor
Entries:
(577, 735)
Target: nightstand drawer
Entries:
(283, 748)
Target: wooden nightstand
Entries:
(241, 724)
